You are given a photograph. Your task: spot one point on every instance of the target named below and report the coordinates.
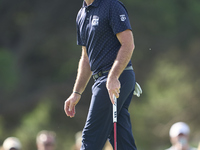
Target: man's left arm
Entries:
(123, 57)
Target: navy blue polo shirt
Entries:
(97, 26)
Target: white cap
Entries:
(178, 128)
(11, 142)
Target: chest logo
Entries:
(123, 17)
(95, 21)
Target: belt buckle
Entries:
(96, 76)
(100, 74)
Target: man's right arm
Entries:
(83, 77)
(84, 72)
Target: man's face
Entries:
(180, 141)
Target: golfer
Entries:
(105, 34)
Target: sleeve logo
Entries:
(123, 17)
(95, 21)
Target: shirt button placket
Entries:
(87, 15)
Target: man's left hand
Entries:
(113, 86)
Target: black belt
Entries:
(101, 73)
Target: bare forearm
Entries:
(124, 55)
(121, 61)
(83, 75)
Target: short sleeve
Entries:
(119, 20)
(79, 41)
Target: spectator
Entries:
(78, 141)
(11, 143)
(46, 140)
(179, 137)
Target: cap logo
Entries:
(123, 17)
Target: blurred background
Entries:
(39, 59)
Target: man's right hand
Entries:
(70, 104)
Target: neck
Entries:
(88, 2)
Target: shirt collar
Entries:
(94, 4)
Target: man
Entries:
(11, 143)
(45, 140)
(104, 32)
(179, 136)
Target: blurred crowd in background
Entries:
(179, 136)
(45, 140)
